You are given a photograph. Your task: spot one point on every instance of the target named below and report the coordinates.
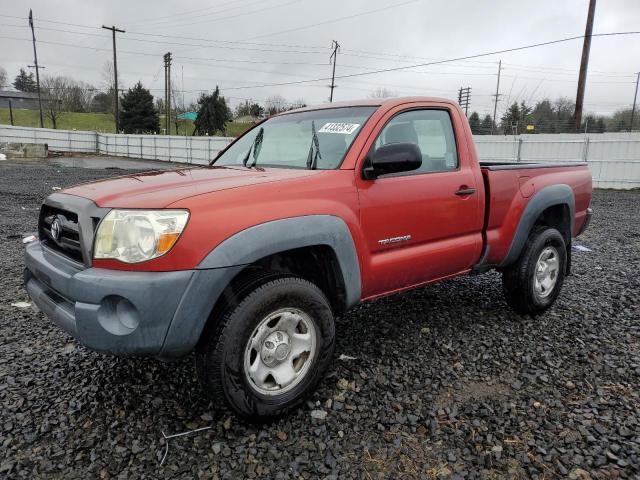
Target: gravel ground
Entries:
(446, 382)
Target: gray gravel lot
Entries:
(446, 382)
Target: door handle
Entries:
(465, 191)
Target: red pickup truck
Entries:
(248, 261)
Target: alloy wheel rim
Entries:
(545, 276)
(280, 351)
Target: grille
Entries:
(68, 243)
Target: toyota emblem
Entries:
(56, 229)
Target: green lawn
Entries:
(98, 122)
(101, 122)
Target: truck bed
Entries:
(510, 186)
(520, 166)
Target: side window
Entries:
(431, 131)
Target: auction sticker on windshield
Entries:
(344, 128)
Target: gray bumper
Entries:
(124, 312)
(587, 221)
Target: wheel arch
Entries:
(289, 246)
(326, 239)
(552, 206)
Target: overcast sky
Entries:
(246, 43)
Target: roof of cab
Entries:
(371, 102)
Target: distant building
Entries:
(26, 100)
(246, 119)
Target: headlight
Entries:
(133, 236)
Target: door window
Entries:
(432, 131)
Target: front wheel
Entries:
(534, 281)
(266, 354)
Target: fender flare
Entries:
(259, 241)
(549, 196)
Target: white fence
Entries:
(198, 150)
(614, 158)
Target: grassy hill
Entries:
(98, 122)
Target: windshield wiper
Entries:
(311, 158)
(255, 147)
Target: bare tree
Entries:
(382, 92)
(79, 96)
(159, 103)
(299, 103)
(108, 84)
(3, 77)
(275, 104)
(55, 91)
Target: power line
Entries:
(200, 13)
(146, 34)
(630, 75)
(455, 59)
(159, 42)
(215, 20)
(607, 74)
(376, 55)
(339, 19)
(391, 69)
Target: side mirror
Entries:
(392, 158)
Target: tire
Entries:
(240, 347)
(523, 289)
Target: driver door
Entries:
(418, 226)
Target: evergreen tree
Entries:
(593, 124)
(621, 121)
(515, 119)
(137, 111)
(213, 114)
(474, 123)
(487, 125)
(544, 117)
(248, 108)
(25, 82)
(256, 110)
(101, 102)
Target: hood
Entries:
(159, 189)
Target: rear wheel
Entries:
(267, 353)
(534, 281)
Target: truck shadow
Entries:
(424, 318)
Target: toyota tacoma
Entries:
(247, 261)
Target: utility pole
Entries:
(334, 57)
(115, 74)
(184, 110)
(464, 99)
(584, 63)
(164, 57)
(167, 93)
(495, 105)
(35, 61)
(635, 98)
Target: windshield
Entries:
(316, 139)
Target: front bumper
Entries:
(124, 312)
